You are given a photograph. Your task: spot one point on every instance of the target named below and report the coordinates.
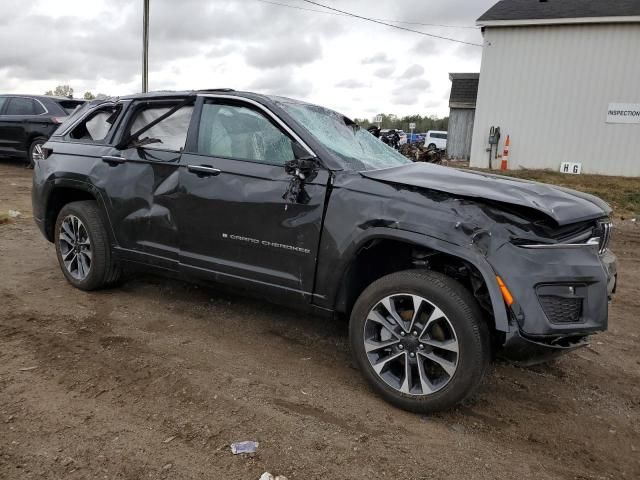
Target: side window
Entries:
(241, 133)
(96, 127)
(3, 100)
(169, 134)
(38, 109)
(20, 106)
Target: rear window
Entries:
(95, 128)
(70, 105)
(20, 106)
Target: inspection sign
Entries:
(623, 113)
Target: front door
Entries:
(234, 223)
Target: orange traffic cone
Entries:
(505, 154)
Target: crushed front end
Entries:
(560, 291)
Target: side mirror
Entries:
(304, 168)
(301, 170)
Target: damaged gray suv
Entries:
(436, 268)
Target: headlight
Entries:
(603, 232)
(599, 235)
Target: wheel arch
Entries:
(65, 191)
(403, 250)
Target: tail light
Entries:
(58, 120)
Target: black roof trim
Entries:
(506, 10)
(464, 90)
(40, 97)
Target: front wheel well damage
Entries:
(58, 198)
(382, 257)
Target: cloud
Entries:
(377, 58)
(238, 43)
(409, 92)
(425, 47)
(283, 52)
(414, 85)
(413, 71)
(351, 83)
(282, 82)
(384, 72)
(468, 52)
(406, 98)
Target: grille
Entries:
(561, 309)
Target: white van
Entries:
(436, 139)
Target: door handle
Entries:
(203, 170)
(113, 160)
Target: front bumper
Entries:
(531, 351)
(561, 296)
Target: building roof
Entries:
(523, 12)
(464, 90)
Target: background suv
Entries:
(27, 121)
(436, 139)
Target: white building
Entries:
(562, 78)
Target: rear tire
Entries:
(35, 151)
(436, 352)
(83, 247)
(432, 146)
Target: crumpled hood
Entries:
(564, 205)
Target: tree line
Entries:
(423, 124)
(67, 91)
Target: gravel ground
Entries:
(156, 378)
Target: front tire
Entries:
(83, 247)
(419, 338)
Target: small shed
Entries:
(462, 105)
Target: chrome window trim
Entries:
(9, 97)
(269, 113)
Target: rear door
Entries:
(141, 183)
(19, 114)
(3, 131)
(234, 223)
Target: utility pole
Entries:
(145, 47)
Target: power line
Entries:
(378, 19)
(391, 25)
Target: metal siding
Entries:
(549, 88)
(460, 133)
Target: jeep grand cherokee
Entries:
(434, 266)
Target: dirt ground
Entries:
(156, 378)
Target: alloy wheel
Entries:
(75, 247)
(411, 344)
(37, 153)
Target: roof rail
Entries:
(216, 90)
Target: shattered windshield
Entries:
(355, 146)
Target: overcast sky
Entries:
(352, 66)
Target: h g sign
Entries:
(572, 168)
